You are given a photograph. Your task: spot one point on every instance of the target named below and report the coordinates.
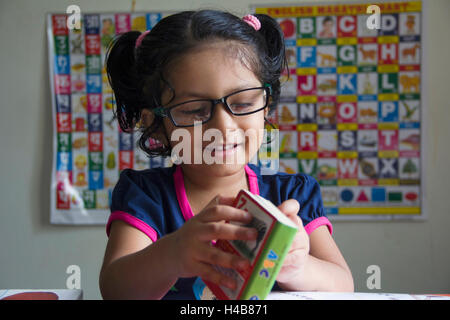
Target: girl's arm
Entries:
(134, 267)
(314, 262)
(324, 268)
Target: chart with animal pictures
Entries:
(351, 109)
(89, 148)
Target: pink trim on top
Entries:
(183, 201)
(134, 222)
(180, 190)
(313, 225)
(252, 180)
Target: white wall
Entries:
(413, 256)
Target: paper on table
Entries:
(286, 295)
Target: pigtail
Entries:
(274, 37)
(124, 79)
(276, 55)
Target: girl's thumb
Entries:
(290, 207)
(228, 201)
(220, 200)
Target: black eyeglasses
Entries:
(239, 103)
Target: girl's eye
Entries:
(197, 111)
(240, 107)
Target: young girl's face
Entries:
(212, 72)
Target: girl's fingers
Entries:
(228, 201)
(214, 201)
(215, 256)
(291, 208)
(293, 257)
(209, 273)
(226, 231)
(224, 212)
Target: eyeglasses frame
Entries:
(165, 112)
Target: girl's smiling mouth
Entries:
(223, 149)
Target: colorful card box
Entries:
(266, 254)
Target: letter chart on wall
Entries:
(350, 116)
(89, 148)
(352, 106)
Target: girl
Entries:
(163, 220)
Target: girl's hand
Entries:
(193, 255)
(298, 254)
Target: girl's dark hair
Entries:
(136, 75)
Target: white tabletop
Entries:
(352, 296)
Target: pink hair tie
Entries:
(140, 38)
(253, 21)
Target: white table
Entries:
(352, 296)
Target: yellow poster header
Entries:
(338, 9)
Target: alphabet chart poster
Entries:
(89, 148)
(351, 109)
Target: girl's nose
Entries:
(222, 118)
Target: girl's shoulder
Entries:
(148, 179)
(279, 177)
(280, 186)
(160, 172)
